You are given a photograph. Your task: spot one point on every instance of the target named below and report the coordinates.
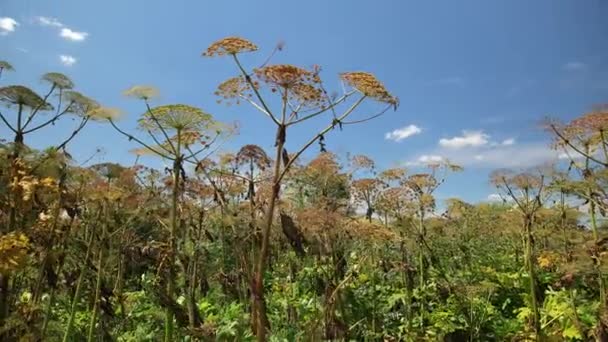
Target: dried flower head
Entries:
(24, 96)
(591, 122)
(79, 103)
(190, 138)
(60, 81)
(253, 154)
(233, 88)
(526, 181)
(369, 85)
(307, 95)
(286, 76)
(393, 174)
(142, 92)
(104, 113)
(325, 163)
(229, 46)
(361, 161)
(421, 181)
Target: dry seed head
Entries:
(233, 88)
(20, 95)
(255, 154)
(229, 46)
(104, 113)
(308, 95)
(142, 92)
(594, 121)
(61, 81)
(369, 85)
(286, 76)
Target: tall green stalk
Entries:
(177, 166)
(93, 321)
(83, 267)
(529, 256)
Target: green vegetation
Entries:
(243, 246)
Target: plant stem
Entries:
(68, 329)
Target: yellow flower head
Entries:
(13, 251)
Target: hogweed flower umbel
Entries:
(369, 85)
(286, 75)
(229, 46)
(142, 92)
(233, 88)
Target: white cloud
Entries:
(494, 198)
(574, 66)
(67, 60)
(426, 159)
(508, 142)
(7, 25)
(403, 133)
(73, 35)
(48, 21)
(468, 139)
(498, 198)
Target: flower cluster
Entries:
(229, 46)
(369, 85)
(308, 95)
(142, 92)
(27, 185)
(286, 76)
(177, 116)
(234, 88)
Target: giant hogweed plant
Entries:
(181, 134)
(302, 97)
(528, 191)
(23, 115)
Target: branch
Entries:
(160, 127)
(52, 120)
(83, 123)
(319, 135)
(35, 110)
(205, 147)
(257, 106)
(137, 140)
(158, 143)
(567, 141)
(369, 118)
(310, 116)
(521, 207)
(7, 124)
(255, 90)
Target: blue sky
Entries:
(474, 77)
